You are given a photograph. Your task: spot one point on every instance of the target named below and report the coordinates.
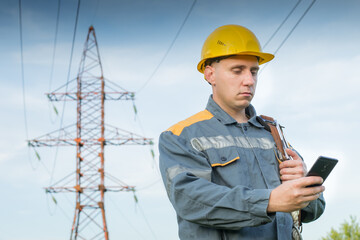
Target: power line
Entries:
(126, 219)
(53, 56)
(67, 83)
(149, 185)
(291, 31)
(161, 62)
(168, 50)
(23, 82)
(22, 71)
(151, 146)
(55, 42)
(286, 18)
(297, 23)
(56, 206)
(146, 221)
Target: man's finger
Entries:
(291, 164)
(292, 153)
(308, 181)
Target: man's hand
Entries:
(294, 195)
(292, 169)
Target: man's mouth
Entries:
(246, 94)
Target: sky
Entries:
(311, 87)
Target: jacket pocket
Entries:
(228, 168)
(222, 157)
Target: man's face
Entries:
(233, 82)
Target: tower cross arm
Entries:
(89, 189)
(66, 137)
(117, 136)
(62, 137)
(71, 92)
(74, 96)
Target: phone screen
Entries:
(322, 168)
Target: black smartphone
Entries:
(322, 168)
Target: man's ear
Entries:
(209, 74)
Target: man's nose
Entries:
(249, 79)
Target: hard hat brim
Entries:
(263, 58)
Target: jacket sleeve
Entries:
(187, 177)
(314, 210)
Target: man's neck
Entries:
(240, 117)
(239, 114)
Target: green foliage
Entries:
(347, 231)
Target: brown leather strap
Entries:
(276, 135)
(279, 145)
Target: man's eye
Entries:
(238, 71)
(254, 73)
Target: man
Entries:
(219, 166)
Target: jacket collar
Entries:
(226, 119)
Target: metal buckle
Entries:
(268, 121)
(285, 143)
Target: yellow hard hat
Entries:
(232, 40)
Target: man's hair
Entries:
(210, 61)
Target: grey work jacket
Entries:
(219, 174)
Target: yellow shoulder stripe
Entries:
(179, 127)
(224, 164)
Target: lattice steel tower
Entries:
(90, 135)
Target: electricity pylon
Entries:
(90, 134)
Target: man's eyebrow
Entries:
(238, 66)
(244, 66)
